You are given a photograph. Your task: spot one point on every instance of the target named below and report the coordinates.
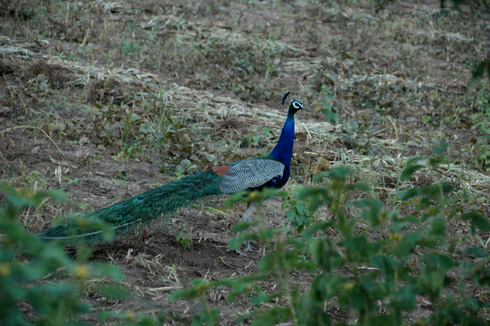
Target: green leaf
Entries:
(405, 298)
(441, 147)
(410, 168)
(359, 186)
(209, 316)
(479, 71)
(360, 248)
(440, 261)
(103, 316)
(273, 316)
(484, 281)
(408, 244)
(322, 227)
(184, 294)
(476, 252)
(57, 195)
(340, 173)
(438, 226)
(386, 264)
(358, 297)
(104, 269)
(237, 241)
(235, 198)
(477, 220)
(38, 300)
(114, 292)
(373, 212)
(431, 282)
(409, 194)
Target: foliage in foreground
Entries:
(40, 284)
(379, 277)
(361, 262)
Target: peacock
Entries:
(271, 171)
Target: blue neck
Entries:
(284, 148)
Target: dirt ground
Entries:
(105, 100)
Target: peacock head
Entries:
(294, 106)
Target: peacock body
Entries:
(272, 171)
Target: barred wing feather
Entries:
(250, 174)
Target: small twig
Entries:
(225, 262)
(64, 163)
(165, 288)
(368, 268)
(393, 123)
(173, 272)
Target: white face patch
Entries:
(297, 105)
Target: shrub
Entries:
(379, 277)
(40, 283)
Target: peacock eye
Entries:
(297, 105)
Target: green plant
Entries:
(479, 72)
(298, 214)
(127, 132)
(481, 123)
(34, 179)
(183, 239)
(258, 139)
(364, 279)
(326, 104)
(37, 278)
(185, 167)
(426, 119)
(131, 49)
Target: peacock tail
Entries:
(141, 208)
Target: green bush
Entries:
(369, 264)
(374, 277)
(39, 283)
(481, 123)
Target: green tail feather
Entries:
(139, 209)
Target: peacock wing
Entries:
(250, 174)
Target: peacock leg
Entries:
(247, 218)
